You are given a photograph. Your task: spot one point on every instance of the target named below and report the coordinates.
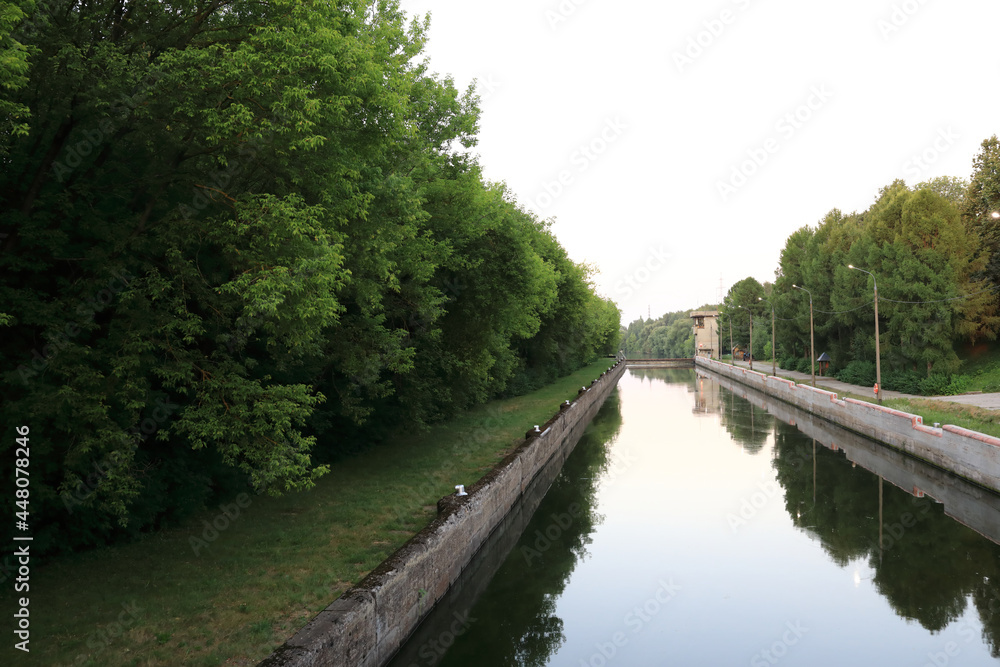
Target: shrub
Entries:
(935, 385)
(858, 372)
(959, 384)
(908, 382)
(804, 365)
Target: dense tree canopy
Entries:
(237, 238)
(931, 288)
(668, 337)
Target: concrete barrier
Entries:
(368, 624)
(967, 503)
(970, 455)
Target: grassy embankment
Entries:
(230, 599)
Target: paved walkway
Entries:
(989, 401)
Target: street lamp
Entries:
(878, 356)
(732, 357)
(751, 334)
(774, 352)
(812, 346)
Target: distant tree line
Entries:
(240, 240)
(934, 250)
(668, 337)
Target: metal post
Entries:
(774, 352)
(878, 355)
(732, 357)
(812, 345)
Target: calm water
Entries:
(691, 527)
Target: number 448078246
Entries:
(21, 461)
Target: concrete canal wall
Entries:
(969, 454)
(368, 624)
(967, 503)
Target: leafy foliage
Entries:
(668, 337)
(929, 267)
(236, 277)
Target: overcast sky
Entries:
(677, 145)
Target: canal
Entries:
(690, 526)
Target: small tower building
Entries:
(706, 333)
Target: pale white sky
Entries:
(680, 143)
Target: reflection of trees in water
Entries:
(684, 376)
(928, 564)
(515, 617)
(748, 425)
(986, 597)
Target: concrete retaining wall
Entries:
(963, 501)
(368, 624)
(971, 455)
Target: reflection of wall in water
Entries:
(912, 530)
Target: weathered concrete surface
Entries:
(967, 503)
(367, 625)
(971, 455)
(987, 400)
(452, 615)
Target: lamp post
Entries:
(751, 333)
(812, 346)
(878, 356)
(732, 357)
(774, 352)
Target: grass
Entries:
(981, 364)
(229, 594)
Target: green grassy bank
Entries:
(236, 581)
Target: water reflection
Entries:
(800, 525)
(523, 593)
(928, 565)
